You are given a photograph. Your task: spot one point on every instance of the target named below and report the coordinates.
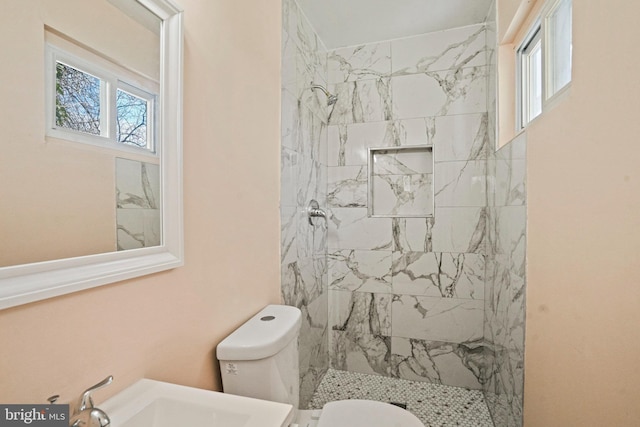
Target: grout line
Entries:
(433, 404)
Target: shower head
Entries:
(331, 99)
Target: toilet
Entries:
(260, 360)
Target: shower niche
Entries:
(400, 182)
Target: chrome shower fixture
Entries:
(314, 211)
(331, 99)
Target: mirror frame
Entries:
(22, 284)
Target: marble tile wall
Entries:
(303, 178)
(505, 287)
(138, 222)
(437, 299)
(401, 182)
(406, 295)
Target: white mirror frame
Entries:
(26, 283)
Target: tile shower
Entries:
(435, 295)
(138, 221)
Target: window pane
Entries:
(77, 100)
(559, 23)
(131, 119)
(531, 77)
(535, 82)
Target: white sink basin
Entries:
(149, 403)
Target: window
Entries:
(94, 101)
(544, 61)
(78, 99)
(531, 77)
(558, 28)
(133, 108)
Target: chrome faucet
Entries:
(84, 414)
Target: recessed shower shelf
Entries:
(400, 182)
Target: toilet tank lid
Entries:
(262, 336)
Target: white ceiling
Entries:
(342, 23)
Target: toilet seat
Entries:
(366, 413)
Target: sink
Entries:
(150, 403)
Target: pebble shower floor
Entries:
(434, 404)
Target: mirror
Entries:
(80, 211)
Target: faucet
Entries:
(84, 414)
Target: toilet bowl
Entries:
(260, 359)
(366, 413)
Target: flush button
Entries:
(267, 318)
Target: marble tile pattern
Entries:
(348, 187)
(449, 50)
(438, 274)
(360, 338)
(504, 313)
(438, 319)
(506, 285)
(138, 219)
(402, 182)
(384, 299)
(351, 228)
(303, 178)
(438, 362)
(406, 294)
(364, 271)
(366, 62)
(407, 195)
(435, 405)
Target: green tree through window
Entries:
(77, 100)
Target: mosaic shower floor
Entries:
(436, 405)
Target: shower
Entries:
(331, 99)
(361, 279)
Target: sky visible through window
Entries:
(77, 100)
(131, 119)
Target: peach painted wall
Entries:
(511, 13)
(166, 326)
(583, 293)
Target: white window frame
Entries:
(540, 29)
(533, 39)
(151, 114)
(548, 47)
(112, 77)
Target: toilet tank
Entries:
(260, 358)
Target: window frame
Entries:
(151, 114)
(112, 78)
(523, 56)
(549, 65)
(540, 29)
